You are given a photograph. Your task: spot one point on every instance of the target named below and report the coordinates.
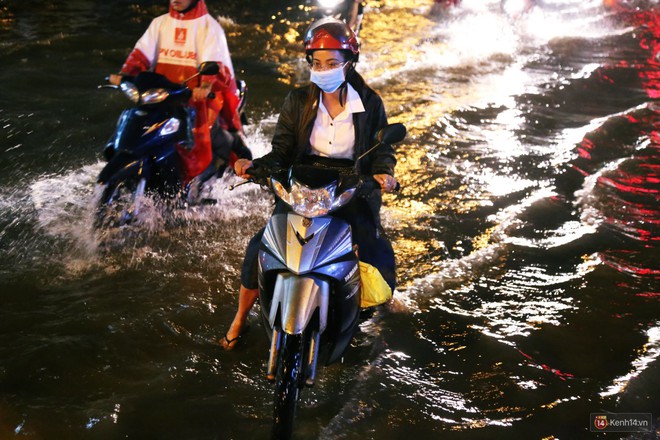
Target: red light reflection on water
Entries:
(560, 374)
(625, 263)
(649, 294)
(626, 194)
(584, 150)
(649, 24)
(647, 183)
(651, 42)
(633, 184)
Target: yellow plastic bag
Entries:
(375, 290)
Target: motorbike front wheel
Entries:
(289, 381)
(119, 204)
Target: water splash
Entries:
(52, 219)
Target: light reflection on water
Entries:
(647, 355)
(523, 301)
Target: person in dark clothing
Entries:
(335, 117)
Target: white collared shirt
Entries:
(336, 137)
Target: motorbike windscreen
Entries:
(154, 88)
(312, 191)
(152, 80)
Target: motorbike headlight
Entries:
(280, 191)
(131, 91)
(343, 198)
(154, 96)
(171, 126)
(310, 202)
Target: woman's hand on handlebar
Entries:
(387, 183)
(201, 93)
(241, 166)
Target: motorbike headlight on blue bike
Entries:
(131, 91)
(311, 202)
(154, 96)
(171, 126)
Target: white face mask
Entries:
(328, 80)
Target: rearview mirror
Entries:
(391, 134)
(208, 68)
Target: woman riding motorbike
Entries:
(335, 118)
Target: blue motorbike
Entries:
(142, 156)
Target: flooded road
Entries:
(526, 232)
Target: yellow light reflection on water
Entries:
(392, 34)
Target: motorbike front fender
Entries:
(121, 168)
(295, 299)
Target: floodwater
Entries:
(526, 232)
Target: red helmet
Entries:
(331, 33)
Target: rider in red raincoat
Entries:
(174, 45)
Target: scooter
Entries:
(142, 154)
(309, 279)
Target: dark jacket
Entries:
(291, 139)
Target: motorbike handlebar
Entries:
(260, 174)
(130, 78)
(369, 184)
